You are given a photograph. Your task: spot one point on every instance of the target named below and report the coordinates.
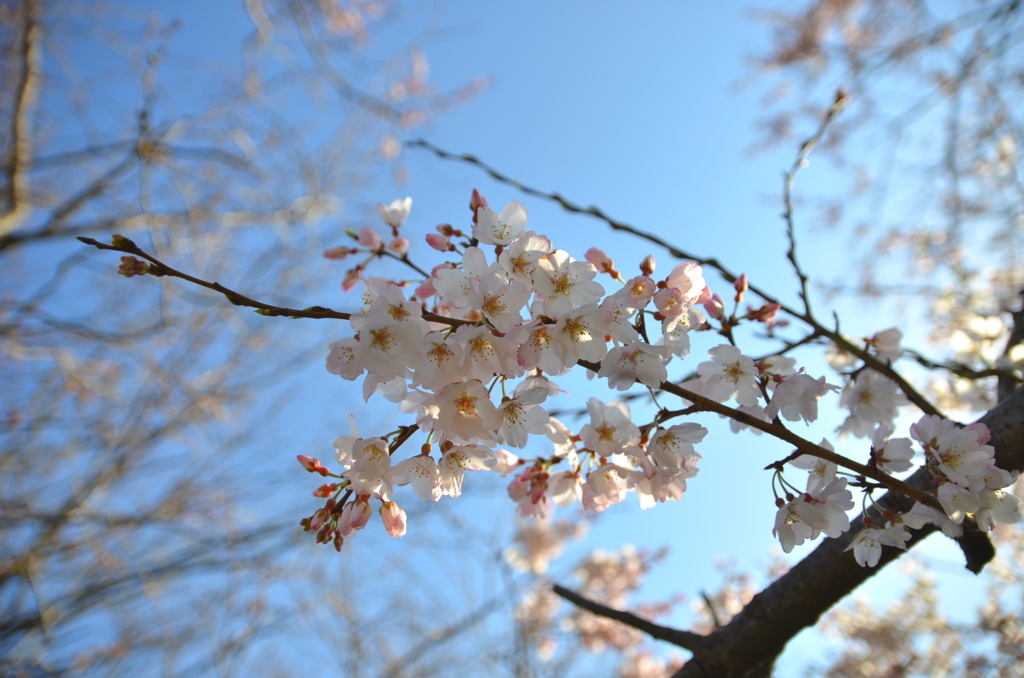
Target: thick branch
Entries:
(749, 644)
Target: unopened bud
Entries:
(741, 287)
(647, 265)
(476, 202)
(130, 266)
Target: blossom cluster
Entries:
(470, 354)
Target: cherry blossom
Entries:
(728, 374)
(395, 213)
(500, 228)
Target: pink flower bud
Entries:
(476, 202)
(312, 465)
(600, 260)
(130, 266)
(741, 286)
(715, 307)
(325, 490)
(318, 520)
(425, 290)
(351, 279)
(337, 252)
(369, 238)
(647, 265)
(399, 245)
(394, 519)
(354, 517)
(439, 242)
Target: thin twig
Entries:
(684, 639)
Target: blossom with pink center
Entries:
(499, 300)
(388, 348)
(580, 335)
(867, 544)
(821, 472)
(399, 245)
(457, 461)
(633, 362)
(962, 458)
(619, 315)
(393, 518)
(957, 501)
(688, 279)
(369, 461)
(565, 283)
(442, 362)
(892, 455)
(796, 397)
(519, 259)
(606, 485)
(421, 472)
(872, 400)
(655, 484)
(675, 332)
(521, 416)
(500, 228)
(342, 359)
(466, 412)
(835, 501)
(728, 374)
(486, 354)
(536, 342)
(454, 283)
(672, 448)
(395, 213)
(610, 430)
(797, 521)
(887, 345)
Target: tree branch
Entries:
(684, 639)
(19, 158)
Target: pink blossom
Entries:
(519, 259)
(466, 411)
(715, 307)
(457, 461)
(500, 228)
(688, 278)
(647, 266)
(565, 283)
(399, 245)
(439, 242)
(338, 253)
(610, 430)
(422, 473)
(601, 261)
(393, 518)
(633, 362)
(728, 374)
(369, 239)
(892, 455)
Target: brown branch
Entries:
(19, 159)
(684, 639)
(750, 642)
(160, 269)
(787, 190)
(802, 445)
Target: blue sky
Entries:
(638, 111)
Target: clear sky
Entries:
(635, 109)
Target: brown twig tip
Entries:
(684, 639)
